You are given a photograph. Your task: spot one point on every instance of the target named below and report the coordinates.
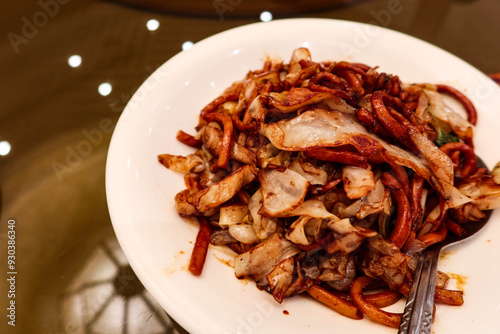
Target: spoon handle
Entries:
(418, 313)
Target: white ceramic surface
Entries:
(158, 243)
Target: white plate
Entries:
(158, 243)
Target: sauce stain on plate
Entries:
(227, 262)
(460, 280)
(181, 261)
(446, 254)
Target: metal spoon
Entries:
(418, 312)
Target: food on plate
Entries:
(329, 178)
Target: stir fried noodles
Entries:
(329, 178)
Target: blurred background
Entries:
(67, 70)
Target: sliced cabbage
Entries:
(244, 233)
(298, 55)
(347, 237)
(222, 191)
(280, 278)
(295, 68)
(458, 124)
(430, 220)
(190, 163)
(376, 201)
(312, 208)
(313, 174)
(295, 99)
(338, 270)
(270, 155)
(232, 214)
(484, 191)
(282, 191)
(382, 259)
(441, 166)
(358, 181)
(495, 173)
(259, 261)
(298, 232)
(263, 226)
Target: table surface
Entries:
(71, 276)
